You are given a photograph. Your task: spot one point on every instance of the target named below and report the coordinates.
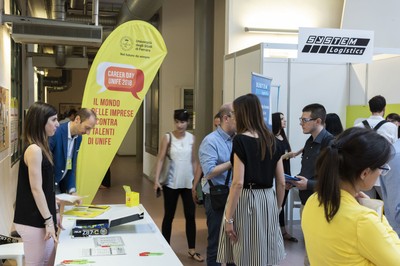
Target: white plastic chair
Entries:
(293, 201)
(14, 251)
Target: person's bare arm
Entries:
(279, 183)
(233, 198)
(33, 159)
(160, 160)
(219, 169)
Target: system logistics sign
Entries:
(335, 45)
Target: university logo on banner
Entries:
(335, 45)
(118, 81)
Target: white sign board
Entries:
(335, 45)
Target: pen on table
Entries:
(76, 262)
(145, 254)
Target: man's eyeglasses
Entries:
(384, 169)
(305, 120)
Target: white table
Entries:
(138, 236)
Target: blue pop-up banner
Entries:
(261, 86)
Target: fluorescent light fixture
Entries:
(271, 31)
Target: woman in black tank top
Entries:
(35, 208)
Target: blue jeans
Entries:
(214, 219)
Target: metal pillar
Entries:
(204, 56)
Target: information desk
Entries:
(143, 242)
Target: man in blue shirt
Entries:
(214, 153)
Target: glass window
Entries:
(16, 92)
(152, 117)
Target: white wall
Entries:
(177, 70)
(289, 14)
(8, 174)
(383, 79)
(326, 84)
(378, 78)
(380, 16)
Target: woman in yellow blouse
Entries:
(337, 229)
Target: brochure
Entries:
(87, 211)
(69, 198)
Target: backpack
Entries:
(366, 124)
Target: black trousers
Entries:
(170, 202)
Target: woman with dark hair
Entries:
(333, 124)
(250, 233)
(337, 229)
(178, 145)
(395, 119)
(35, 208)
(285, 151)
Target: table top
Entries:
(138, 237)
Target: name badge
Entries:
(203, 181)
(69, 164)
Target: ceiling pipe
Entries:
(58, 12)
(138, 10)
(85, 19)
(95, 12)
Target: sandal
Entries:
(196, 256)
(288, 237)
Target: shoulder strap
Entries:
(380, 124)
(366, 124)
(228, 175)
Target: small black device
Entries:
(158, 192)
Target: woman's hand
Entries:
(50, 231)
(59, 222)
(230, 232)
(194, 196)
(156, 186)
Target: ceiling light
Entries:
(271, 31)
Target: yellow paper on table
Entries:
(87, 211)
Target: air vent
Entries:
(57, 32)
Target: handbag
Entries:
(163, 178)
(219, 193)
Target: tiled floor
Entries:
(126, 171)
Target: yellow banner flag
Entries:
(118, 80)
